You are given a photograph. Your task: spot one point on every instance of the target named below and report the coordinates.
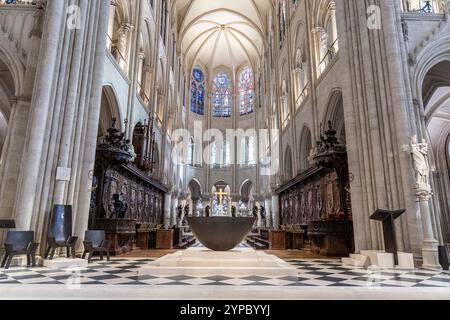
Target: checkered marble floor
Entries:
(311, 273)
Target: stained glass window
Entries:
(222, 96)
(198, 91)
(246, 92)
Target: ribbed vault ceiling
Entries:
(222, 32)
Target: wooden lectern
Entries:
(387, 217)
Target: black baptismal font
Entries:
(124, 197)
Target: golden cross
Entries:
(220, 194)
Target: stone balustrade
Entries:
(427, 7)
(17, 2)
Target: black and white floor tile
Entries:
(311, 273)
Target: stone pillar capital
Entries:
(423, 193)
(148, 68)
(126, 28)
(318, 30)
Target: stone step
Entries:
(348, 261)
(219, 271)
(361, 260)
(196, 262)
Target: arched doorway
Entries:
(334, 115)
(13, 128)
(7, 91)
(221, 202)
(288, 167)
(109, 115)
(436, 102)
(305, 148)
(109, 110)
(247, 200)
(196, 204)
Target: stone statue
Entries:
(419, 152)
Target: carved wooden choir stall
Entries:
(124, 196)
(318, 202)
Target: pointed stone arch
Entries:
(335, 114)
(109, 109)
(305, 147)
(288, 164)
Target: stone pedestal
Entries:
(201, 262)
(385, 260)
(405, 261)
(60, 263)
(430, 253)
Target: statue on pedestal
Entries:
(419, 152)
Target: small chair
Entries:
(54, 244)
(95, 241)
(59, 235)
(20, 243)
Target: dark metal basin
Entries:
(221, 233)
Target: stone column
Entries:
(207, 202)
(276, 211)
(173, 216)
(12, 155)
(140, 70)
(112, 14)
(71, 108)
(41, 105)
(167, 207)
(122, 46)
(430, 253)
(92, 120)
(235, 197)
(321, 50)
(268, 206)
